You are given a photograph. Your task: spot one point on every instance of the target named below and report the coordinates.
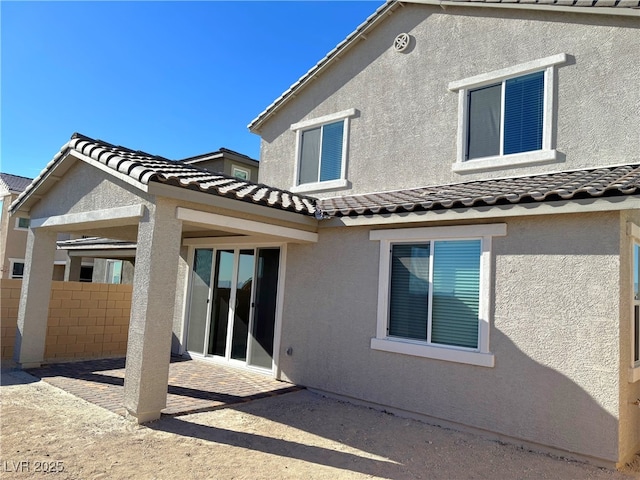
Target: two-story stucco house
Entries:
(447, 227)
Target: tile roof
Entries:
(14, 183)
(616, 6)
(218, 153)
(561, 3)
(573, 185)
(146, 168)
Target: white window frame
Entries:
(246, 172)
(480, 356)
(299, 128)
(634, 367)
(12, 262)
(107, 269)
(547, 154)
(18, 227)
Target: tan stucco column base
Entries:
(146, 417)
(153, 300)
(33, 311)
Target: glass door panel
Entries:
(242, 311)
(199, 301)
(222, 284)
(264, 316)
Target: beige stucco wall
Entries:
(13, 241)
(554, 333)
(405, 133)
(86, 188)
(629, 392)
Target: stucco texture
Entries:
(404, 134)
(554, 333)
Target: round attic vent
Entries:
(401, 42)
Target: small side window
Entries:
(636, 305)
(22, 223)
(241, 173)
(114, 271)
(16, 268)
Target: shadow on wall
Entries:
(539, 404)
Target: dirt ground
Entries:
(297, 435)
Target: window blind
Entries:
(456, 286)
(409, 295)
(523, 112)
(331, 163)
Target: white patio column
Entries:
(72, 269)
(152, 306)
(33, 311)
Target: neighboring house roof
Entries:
(617, 7)
(221, 153)
(572, 185)
(94, 243)
(146, 168)
(13, 183)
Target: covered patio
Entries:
(169, 210)
(194, 386)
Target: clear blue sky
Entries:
(174, 79)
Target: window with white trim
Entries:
(241, 173)
(635, 330)
(435, 291)
(16, 268)
(113, 271)
(321, 158)
(22, 223)
(506, 117)
(633, 231)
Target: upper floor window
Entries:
(22, 223)
(506, 117)
(241, 173)
(321, 162)
(16, 268)
(636, 305)
(634, 328)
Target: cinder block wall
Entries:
(86, 320)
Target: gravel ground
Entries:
(298, 435)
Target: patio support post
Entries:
(152, 307)
(33, 311)
(72, 269)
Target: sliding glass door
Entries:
(232, 307)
